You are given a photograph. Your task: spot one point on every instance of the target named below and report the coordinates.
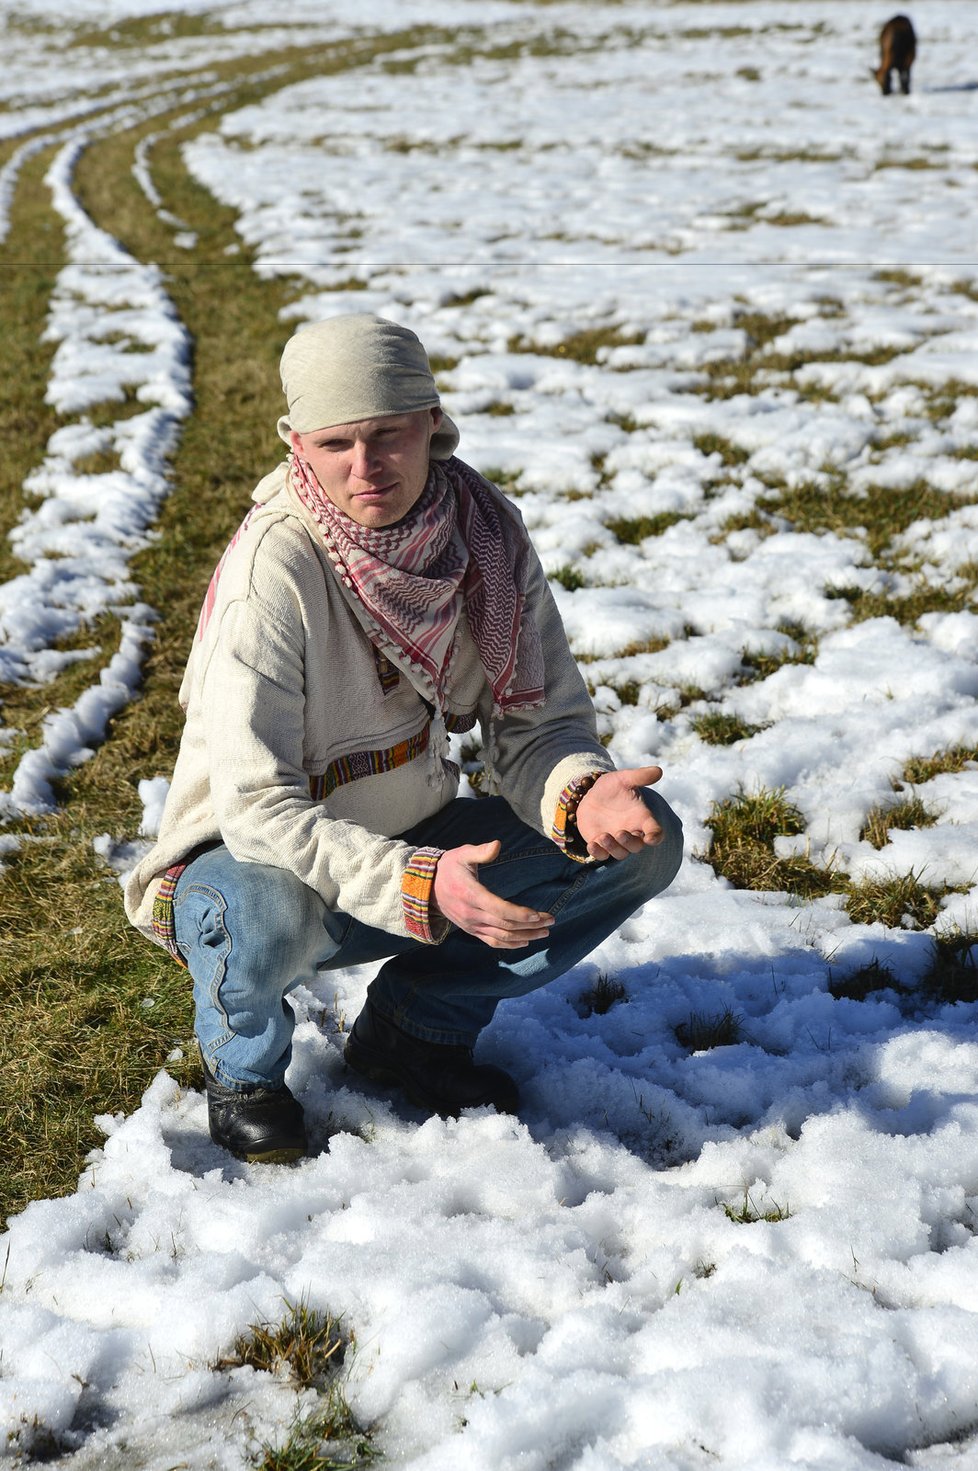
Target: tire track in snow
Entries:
(118, 338)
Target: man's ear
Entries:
(295, 440)
(436, 417)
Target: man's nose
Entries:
(365, 459)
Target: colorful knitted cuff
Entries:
(417, 894)
(164, 927)
(564, 831)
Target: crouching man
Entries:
(379, 595)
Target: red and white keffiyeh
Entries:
(455, 548)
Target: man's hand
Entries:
(477, 910)
(612, 818)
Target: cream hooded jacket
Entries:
(297, 753)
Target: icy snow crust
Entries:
(567, 1289)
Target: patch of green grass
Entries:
(624, 422)
(742, 849)
(721, 728)
(942, 400)
(588, 346)
(442, 363)
(138, 32)
(747, 1213)
(762, 328)
(632, 531)
(896, 276)
(915, 164)
(716, 444)
(752, 520)
(686, 695)
(881, 513)
(967, 289)
(743, 215)
(99, 462)
(30, 258)
(629, 691)
(506, 480)
(711, 33)
(653, 645)
(907, 608)
(906, 814)
(328, 1439)
(787, 155)
(924, 768)
(894, 900)
(759, 364)
(787, 219)
(467, 298)
(896, 439)
(790, 362)
(757, 817)
(701, 1032)
(569, 578)
(759, 664)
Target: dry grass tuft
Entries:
(924, 768)
(306, 1344)
(866, 981)
(632, 531)
(702, 1032)
(952, 975)
(601, 997)
(309, 1348)
(720, 728)
(905, 815)
(896, 900)
(747, 1213)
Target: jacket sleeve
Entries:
(541, 759)
(260, 789)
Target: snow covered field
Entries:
(682, 271)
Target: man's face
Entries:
(375, 470)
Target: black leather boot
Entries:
(442, 1079)
(260, 1125)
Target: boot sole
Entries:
(272, 1156)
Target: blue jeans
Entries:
(251, 933)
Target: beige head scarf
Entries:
(358, 367)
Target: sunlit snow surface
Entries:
(566, 1290)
